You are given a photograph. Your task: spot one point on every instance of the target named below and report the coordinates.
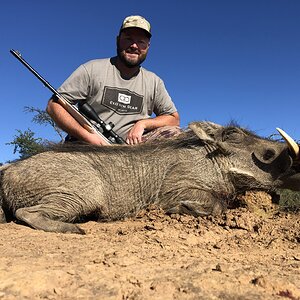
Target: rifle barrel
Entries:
(18, 55)
(107, 130)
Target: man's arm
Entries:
(68, 124)
(135, 134)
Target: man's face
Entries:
(132, 46)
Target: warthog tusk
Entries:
(291, 143)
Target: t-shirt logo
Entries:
(124, 98)
(122, 101)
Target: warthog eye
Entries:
(269, 154)
(232, 135)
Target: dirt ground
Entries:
(248, 253)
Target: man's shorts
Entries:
(161, 133)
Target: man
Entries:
(119, 89)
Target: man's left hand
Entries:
(135, 134)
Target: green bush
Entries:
(289, 200)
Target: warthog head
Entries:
(254, 161)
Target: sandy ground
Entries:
(248, 253)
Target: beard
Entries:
(130, 62)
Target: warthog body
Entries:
(194, 173)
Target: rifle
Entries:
(84, 114)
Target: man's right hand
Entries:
(95, 139)
(66, 122)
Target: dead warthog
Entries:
(193, 173)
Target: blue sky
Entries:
(220, 59)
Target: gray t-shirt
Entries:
(115, 99)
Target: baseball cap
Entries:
(137, 22)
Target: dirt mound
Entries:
(250, 252)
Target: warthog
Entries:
(194, 173)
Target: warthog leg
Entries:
(196, 208)
(36, 218)
(188, 208)
(196, 202)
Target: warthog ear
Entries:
(204, 130)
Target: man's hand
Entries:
(135, 134)
(66, 122)
(95, 139)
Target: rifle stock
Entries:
(89, 121)
(84, 122)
